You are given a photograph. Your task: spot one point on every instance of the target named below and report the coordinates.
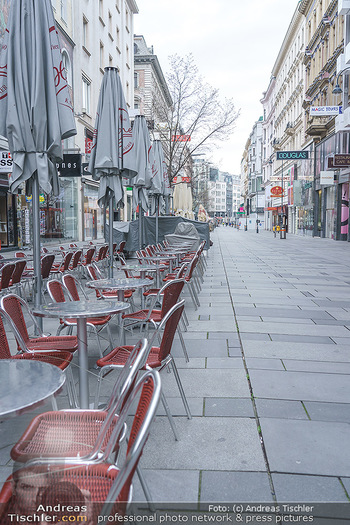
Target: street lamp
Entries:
(337, 89)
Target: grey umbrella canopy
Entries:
(35, 107)
(144, 163)
(113, 152)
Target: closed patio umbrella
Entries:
(35, 108)
(144, 164)
(112, 152)
(161, 182)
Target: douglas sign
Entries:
(285, 155)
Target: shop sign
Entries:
(5, 162)
(330, 165)
(29, 198)
(71, 165)
(286, 155)
(276, 191)
(325, 111)
(327, 178)
(181, 138)
(341, 160)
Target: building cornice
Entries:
(133, 6)
(154, 62)
(58, 25)
(291, 32)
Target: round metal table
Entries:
(119, 285)
(25, 384)
(81, 310)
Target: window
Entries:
(102, 53)
(64, 10)
(127, 20)
(100, 9)
(136, 80)
(118, 37)
(67, 66)
(86, 94)
(85, 33)
(110, 25)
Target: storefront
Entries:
(93, 215)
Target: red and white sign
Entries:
(181, 138)
(276, 191)
(183, 179)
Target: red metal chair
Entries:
(19, 311)
(159, 357)
(108, 487)
(68, 433)
(15, 282)
(62, 267)
(76, 260)
(59, 358)
(6, 275)
(95, 274)
(87, 259)
(57, 293)
(168, 296)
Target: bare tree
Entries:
(198, 119)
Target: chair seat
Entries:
(61, 434)
(127, 294)
(119, 355)
(59, 358)
(95, 480)
(96, 321)
(140, 315)
(62, 342)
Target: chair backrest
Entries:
(66, 261)
(122, 389)
(5, 352)
(191, 267)
(73, 287)
(76, 258)
(105, 251)
(56, 291)
(44, 249)
(19, 312)
(20, 254)
(181, 271)
(121, 246)
(147, 391)
(171, 292)
(18, 271)
(169, 323)
(6, 274)
(46, 265)
(94, 274)
(100, 253)
(89, 256)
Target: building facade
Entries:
(93, 35)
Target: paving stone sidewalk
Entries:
(268, 380)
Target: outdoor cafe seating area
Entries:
(100, 368)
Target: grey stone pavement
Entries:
(268, 381)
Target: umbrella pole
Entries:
(140, 226)
(157, 217)
(110, 268)
(36, 246)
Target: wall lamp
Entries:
(337, 89)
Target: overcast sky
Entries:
(234, 43)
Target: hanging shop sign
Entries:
(5, 162)
(181, 138)
(71, 165)
(325, 111)
(326, 178)
(341, 160)
(286, 155)
(276, 191)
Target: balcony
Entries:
(316, 127)
(289, 128)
